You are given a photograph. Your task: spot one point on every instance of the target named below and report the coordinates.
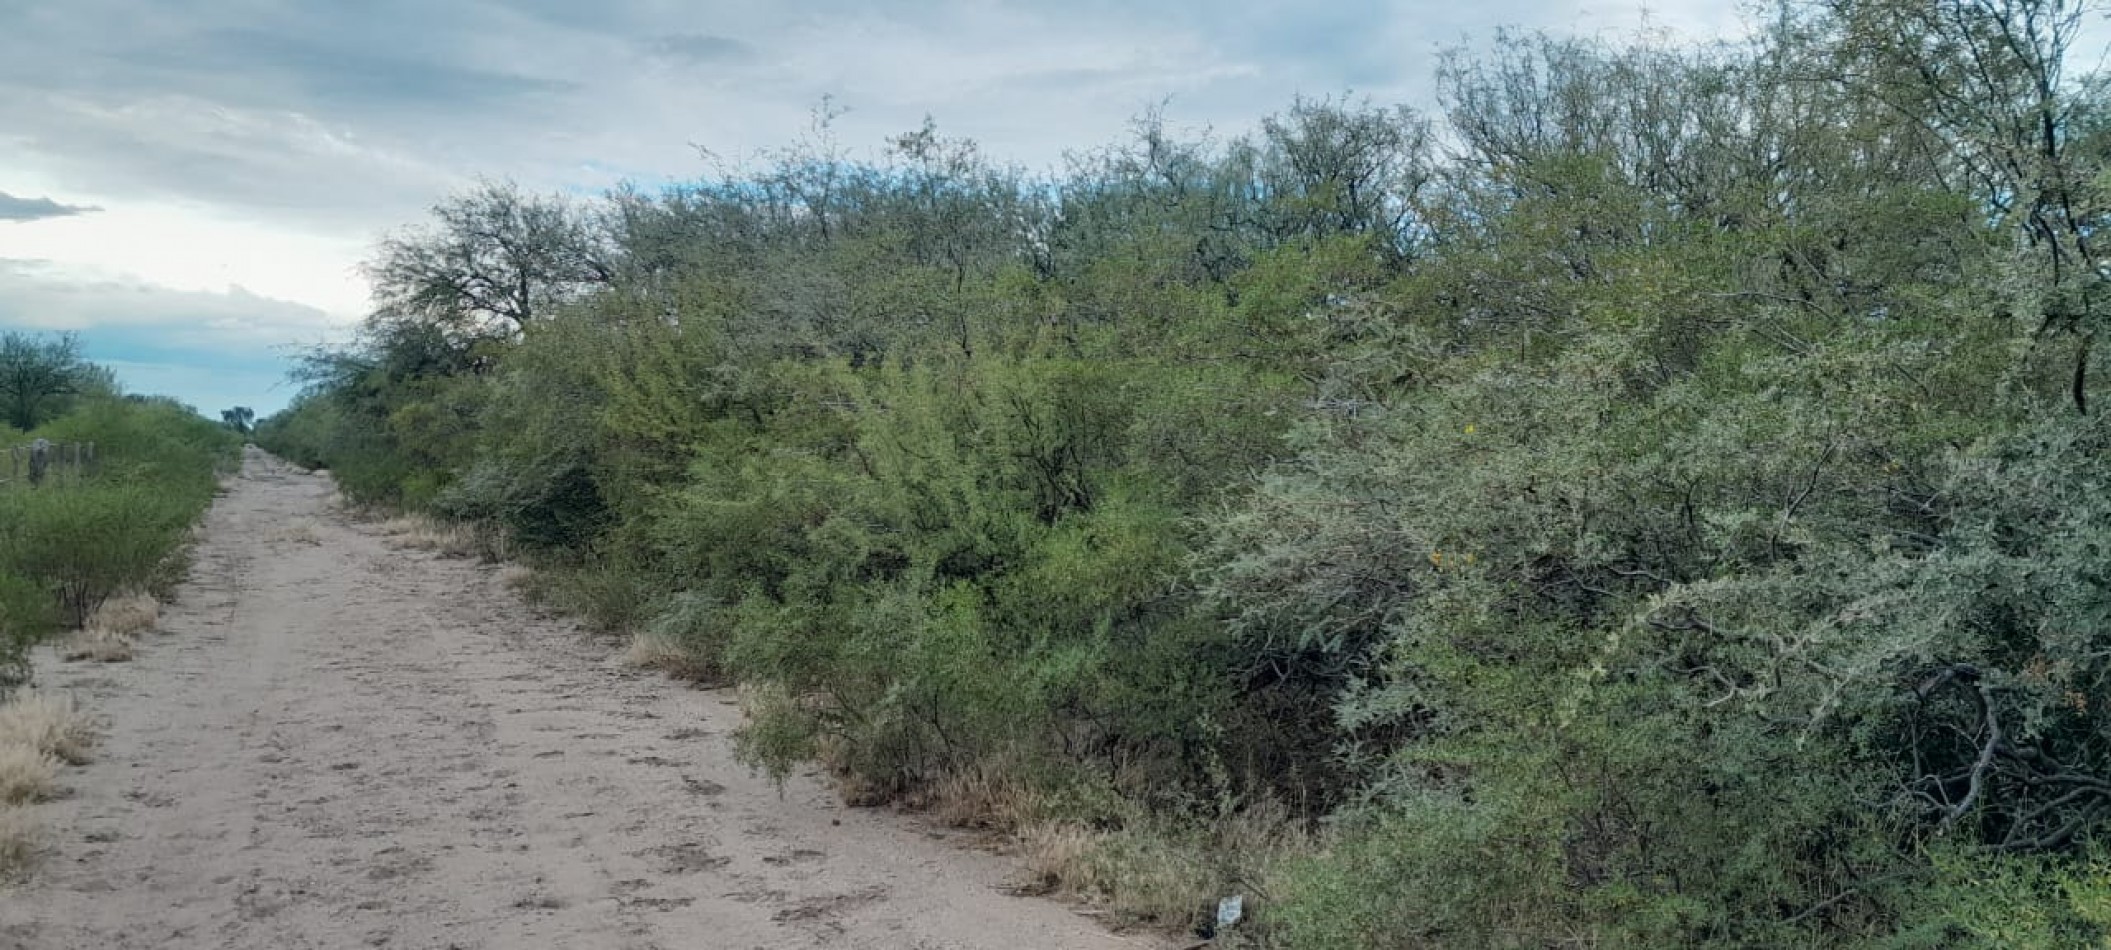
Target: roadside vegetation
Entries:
(40, 736)
(86, 549)
(1657, 499)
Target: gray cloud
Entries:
(37, 209)
(339, 114)
(700, 49)
(309, 69)
(329, 115)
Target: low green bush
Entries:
(88, 542)
(72, 543)
(28, 614)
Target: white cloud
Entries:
(48, 296)
(195, 250)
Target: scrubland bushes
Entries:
(86, 549)
(67, 547)
(1655, 502)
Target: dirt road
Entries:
(332, 743)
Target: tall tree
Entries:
(492, 261)
(240, 418)
(1989, 79)
(37, 372)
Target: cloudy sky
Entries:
(190, 184)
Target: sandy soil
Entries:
(333, 743)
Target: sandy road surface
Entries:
(337, 744)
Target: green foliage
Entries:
(69, 545)
(27, 615)
(89, 542)
(1673, 518)
(37, 376)
(2027, 902)
(151, 442)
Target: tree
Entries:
(493, 261)
(35, 373)
(240, 418)
(1343, 167)
(1989, 79)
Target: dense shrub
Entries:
(69, 545)
(1669, 514)
(27, 615)
(89, 542)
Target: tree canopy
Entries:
(36, 373)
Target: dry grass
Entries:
(1058, 857)
(127, 616)
(495, 546)
(1142, 872)
(18, 844)
(448, 539)
(49, 725)
(518, 578)
(39, 735)
(26, 775)
(93, 643)
(113, 629)
(650, 651)
(302, 531)
(1141, 878)
(1161, 878)
(987, 799)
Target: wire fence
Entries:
(43, 462)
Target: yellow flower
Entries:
(1436, 558)
(1469, 428)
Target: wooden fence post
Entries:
(39, 457)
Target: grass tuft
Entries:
(1161, 875)
(26, 775)
(49, 725)
(303, 531)
(453, 539)
(39, 735)
(128, 615)
(518, 578)
(653, 651)
(101, 646)
(985, 799)
(19, 845)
